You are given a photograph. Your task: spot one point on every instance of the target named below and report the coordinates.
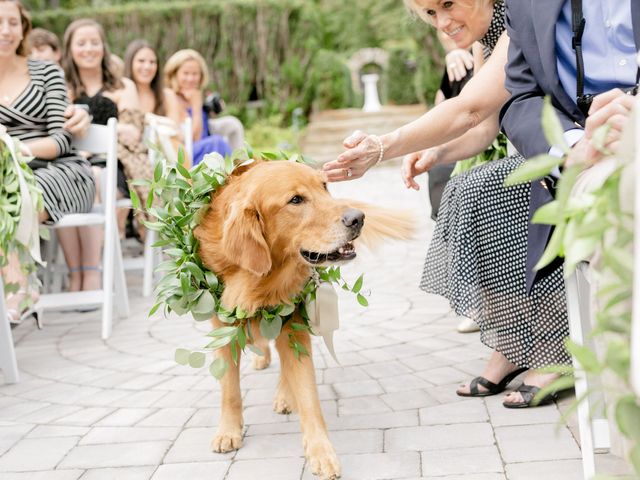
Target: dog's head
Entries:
(277, 213)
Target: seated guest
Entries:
(91, 81)
(44, 45)
(186, 73)
(32, 105)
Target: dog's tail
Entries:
(382, 223)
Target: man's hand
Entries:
(612, 108)
(416, 164)
(78, 120)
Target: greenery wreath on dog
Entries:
(177, 201)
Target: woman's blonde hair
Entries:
(418, 11)
(177, 60)
(110, 79)
(25, 19)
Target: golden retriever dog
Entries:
(265, 231)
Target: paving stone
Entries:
(522, 443)
(125, 417)
(269, 469)
(194, 445)
(21, 457)
(442, 376)
(407, 400)
(85, 417)
(133, 454)
(168, 417)
(357, 389)
(362, 406)
(438, 437)
(50, 413)
(12, 433)
(461, 461)
(551, 470)
(271, 446)
(403, 383)
(126, 473)
(48, 431)
(382, 420)
(102, 435)
(45, 475)
(376, 466)
(501, 416)
(200, 470)
(468, 411)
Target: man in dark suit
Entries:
(568, 50)
(542, 61)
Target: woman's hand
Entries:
(416, 164)
(78, 120)
(363, 151)
(458, 61)
(193, 96)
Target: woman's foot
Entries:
(532, 383)
(467, 325)
(498, 371)
(18, 308)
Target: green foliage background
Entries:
(288, 53)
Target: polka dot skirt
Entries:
(477, 260)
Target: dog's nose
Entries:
(353, 219)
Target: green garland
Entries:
(10, 204)
(594, 221)
(178, 199)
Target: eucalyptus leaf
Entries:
(197, 359)
(628, 417)
(286, 309)
(206, 304)
(182, 356)
(271, 328)
(587, 358)
(551, 126)
(218, 368)
(362, 300)
(533, 169)
(255, 349)
(358, 285)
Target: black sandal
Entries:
(528, 393)
(492, 388)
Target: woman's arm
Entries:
(194, 100)
(480, 98)
(172, 107)
(55, 98)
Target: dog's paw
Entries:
(322, 459)
(280, 405)
(260, 362)
(226, 441)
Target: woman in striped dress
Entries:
(33, 98)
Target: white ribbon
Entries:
(323, 315)
(28, 231)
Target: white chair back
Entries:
(187, 131)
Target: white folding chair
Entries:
(593, 426)
(100, 139)
(8, 363)
(153, 256)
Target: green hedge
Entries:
(267, 47)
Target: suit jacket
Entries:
(531, 74)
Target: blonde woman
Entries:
(186, 73)
(477, 256)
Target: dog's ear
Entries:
(243, 239)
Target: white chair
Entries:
(153, 256)
(592, 424)
(8, 363)
(99, 140)
(635, 326)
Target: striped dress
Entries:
(66, 182)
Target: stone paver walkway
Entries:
(122, 409)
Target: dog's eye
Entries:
(324, 185)
(296, 199)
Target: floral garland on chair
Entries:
(18, 189)
(178, 199)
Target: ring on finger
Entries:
(349, 173)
